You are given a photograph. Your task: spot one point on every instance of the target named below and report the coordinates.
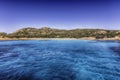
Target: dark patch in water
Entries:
(116, 49)
(21, 45)
(107, 41)
(5, 49)
(1, 53)
(55, 73)
(52, 72)
(17, 76)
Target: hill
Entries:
(47, 32)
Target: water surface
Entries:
(59, 60)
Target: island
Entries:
(45, 33)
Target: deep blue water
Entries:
(59, 60)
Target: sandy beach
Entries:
(85, 38)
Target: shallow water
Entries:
(59, 60)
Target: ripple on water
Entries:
(58, 60)
(116, 49)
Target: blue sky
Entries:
(62, 14)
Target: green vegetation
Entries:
(46, 32)
(3, 35)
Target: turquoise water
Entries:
(59, 60)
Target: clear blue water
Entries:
(59, 60)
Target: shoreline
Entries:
(86, 38)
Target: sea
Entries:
(60, 60)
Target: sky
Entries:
(61, 14)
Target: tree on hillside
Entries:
(3, 35)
